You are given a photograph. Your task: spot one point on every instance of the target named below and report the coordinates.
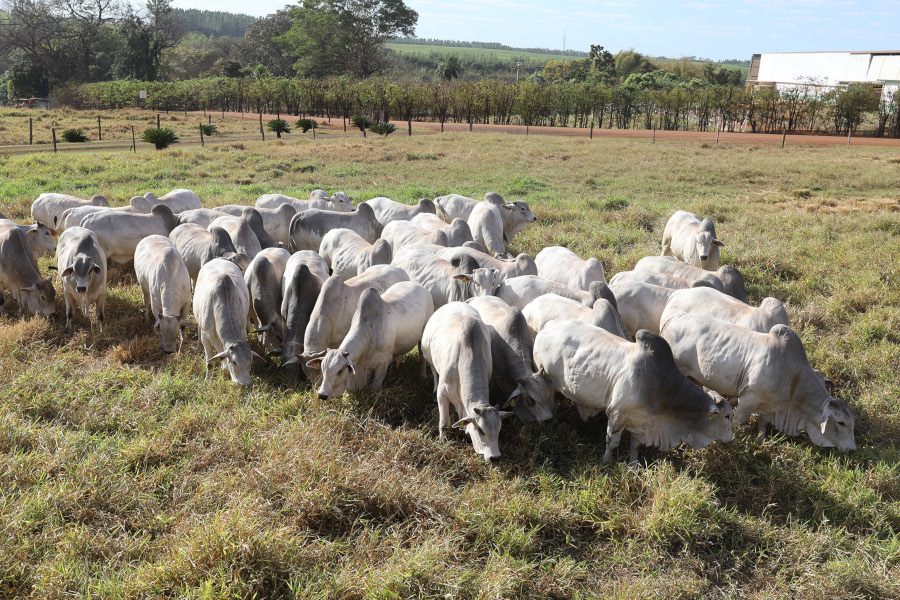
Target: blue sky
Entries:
(705, 28)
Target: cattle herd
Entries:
(341, 293)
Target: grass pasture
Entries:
(124, 474)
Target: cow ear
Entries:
(33, 229)
(718, 243)
(315, 363)
(463, 277)
(509, 206)
(68, 272)
(826, 414)
(461, 424)
(505, 414)
(713, 409)
(96, 269)
(350, 368)
(511, 401)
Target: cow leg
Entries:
(101, 310)
(208, 351)
(443, 400)
(70, 315)
(146, 304)
(380, 372)
(666, 247)
(761, 430)
(422, 365)
(614, 431)
(633, 454)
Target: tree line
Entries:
(805, 107)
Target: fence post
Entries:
(717, 134)
(54, 139)
(133, 141)
(849, 131)
(209, 119)
(592, 129)
(201, 136)
(409, 126)
(783, 136)
(654, 135)
(470, 122)
(30, 132)
(261, 132)
(157, 120)
(99, 130)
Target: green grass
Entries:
(533, 57)
(123, 473)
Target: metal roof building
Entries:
(827, 69)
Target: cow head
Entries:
(341, 201)
(292, 358)
(520, 211)
(721, 417)
(835, 428)
(39, 298)
(236, 360)
(80, 274)
(41, 238)
(272, 334)
(337, 372)
(533, 399)
(705, 241)
(483, 426)
(170, 331)
(482, 282)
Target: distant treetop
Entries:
(213, 22)
(485, 45)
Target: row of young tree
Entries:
(804, 107)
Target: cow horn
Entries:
(255, 355)
(290, 361)
(218, 356)
(263, 329)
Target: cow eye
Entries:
(478, 429)
(841, 424)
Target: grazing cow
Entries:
(221, 306)
(198, 246)
(769, 373)
(512, 345)
(38, 236)
(486, 223)
(445, 282)
(457, 346)
(386, 210)
(348, 254)
(732, 282)
(400, 234)
(276, 221)
(642, 304)
(318, 199)
(637, 384)
(201, 216)
(264, 280)
(300, 289)
(19, 274)
(178, 200)
(707, 301)
(458, 231)
(673, 282)
(81, 264)
(48, 208)
(309, 227)
(384, 328)
(691, 240)
(73, 217)
(551, 307)
(241, 234)
(519, 291)
(119, 233)
(523, 264)
(514, 215)
(564, 266)
(332, 314)
(166, 285)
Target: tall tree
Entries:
(260, 45)
(145, 35)
(333, 37)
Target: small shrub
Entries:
(278, 126)
(209, 129)
(804, 193)
(306, 124)
(612, 203)
(362, 122)
(160, 138)
(74, 135)
(384, 129)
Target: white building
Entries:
(828, 69)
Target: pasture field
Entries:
(124, 474)
(530, 57)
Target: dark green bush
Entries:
(209, 129)
(278, 126)
(362, 122)
(74, 135)
(307, 124)
(384, 129)
(160, 138)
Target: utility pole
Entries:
(518, 66)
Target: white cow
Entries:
(198, 246)
(20, 275)
(276, 221)
(519, 291)
(641, 304)
(387, 210)
(178, 200)
(512, 344)
(732, 282)
(636, 384)
(707, 301)
(486, 224)
(458, 231)
(769, 373)
(551, 307)
(523, 264)
(38, 236)
(309, 227)
(318, 199)
(457, 346)
(73, 217)
(691, 240)
(514, 215)
(445, 282)
(245, 241)
(564, 266)
(201, 216)
(166, 285)
(119, 233)
(348, 254)
(384, 328)
(81, 264)
(399, 234)
(221, 306)
(264, 278)
(48, 208)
